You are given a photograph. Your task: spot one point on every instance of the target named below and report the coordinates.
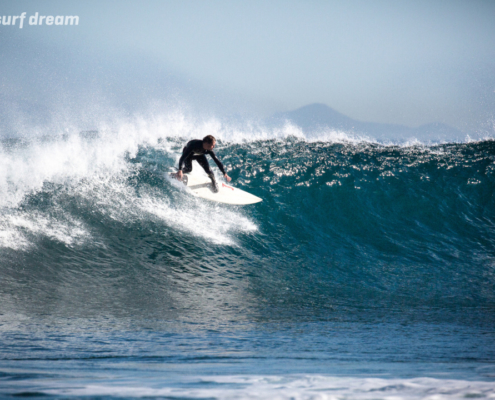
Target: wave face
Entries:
(91, 225)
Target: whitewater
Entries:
(367, 272)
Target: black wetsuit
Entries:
(194, 151)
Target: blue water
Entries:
(368, 271)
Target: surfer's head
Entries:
(209, 142)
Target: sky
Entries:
(403, 62)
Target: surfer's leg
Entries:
(204, 163)
(202, 160)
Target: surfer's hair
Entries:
(209, 139)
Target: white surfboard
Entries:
(200, 185)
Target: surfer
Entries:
(196, 150)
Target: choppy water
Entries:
(366, 272)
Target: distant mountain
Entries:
(316, 117)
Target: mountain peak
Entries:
(318, 116)
(314, 116)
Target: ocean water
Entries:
(367, 272)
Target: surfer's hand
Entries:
(228, 178)
(179, 175)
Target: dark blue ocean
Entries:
(367, 272)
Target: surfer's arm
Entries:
(185, 153)
(220, 165)
(217, 161)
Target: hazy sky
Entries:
(408, 62)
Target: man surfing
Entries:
(197, 150)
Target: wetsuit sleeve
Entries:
(217, 161)
(185, 153)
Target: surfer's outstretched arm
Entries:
(220, 165)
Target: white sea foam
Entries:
(16, 228)
(198, 217)
(304, 387)
(95, 167)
